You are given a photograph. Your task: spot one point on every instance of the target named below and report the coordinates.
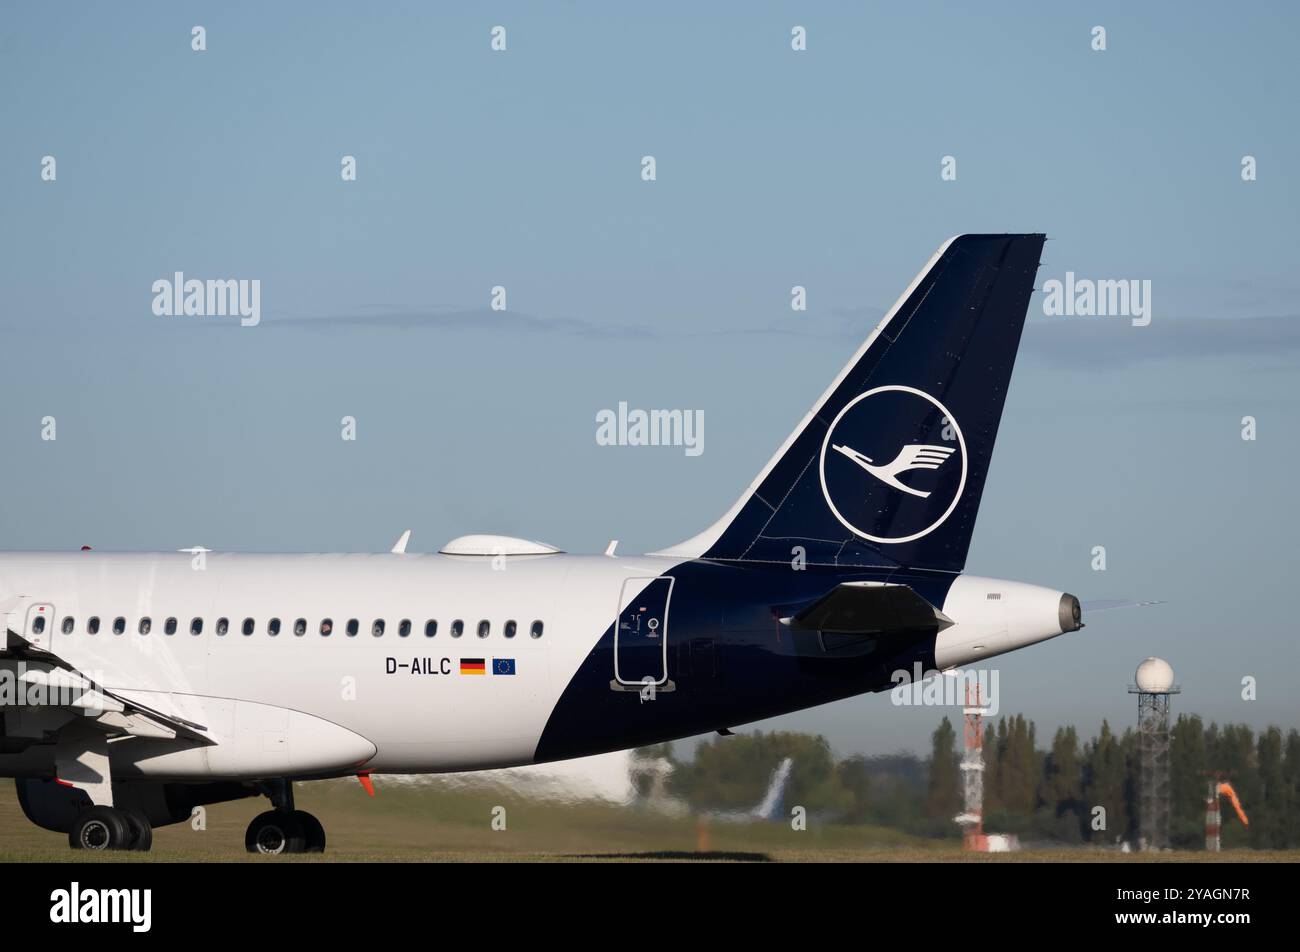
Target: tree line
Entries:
(1072, 791)
(1089, 791)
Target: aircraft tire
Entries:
(275, 832)
(141, 838)
(101, 828)
(315, 833)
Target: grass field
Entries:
(428, 823)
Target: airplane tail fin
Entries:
(774, 800)
(888, 467)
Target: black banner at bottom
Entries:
(350, 901)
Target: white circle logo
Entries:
(893, 464)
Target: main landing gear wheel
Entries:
(102, 828)
(141, 831)
(275, 832)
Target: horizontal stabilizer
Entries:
(868, 608)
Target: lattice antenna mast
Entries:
(1154, 687)
(971, 819)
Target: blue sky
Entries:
(775, 168)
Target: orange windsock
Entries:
(1225, 790)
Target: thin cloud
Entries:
(1114, 341)
(483, 319)
(1067, 342)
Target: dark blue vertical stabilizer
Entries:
(889, 467)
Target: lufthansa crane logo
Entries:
(893, 464)
(915, 456)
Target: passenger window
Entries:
(273, 627)
(484, 628)
(377, 629)
(354, 626)
(196, 626)
(326, 627)
(119, 625)
(248, 626)
(300, 627)
(169, 627)
(430, 628)
(404, 628)
(68, 624)
(536, 629)
(510, 628)
(146, 625)
(92, 625)
(457, 627)
(38, 624)
(223, 625)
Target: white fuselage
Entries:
(404, 695)
(302, 703)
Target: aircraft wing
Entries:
(60, 708)
(60, 695)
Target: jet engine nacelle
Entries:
(53, 806)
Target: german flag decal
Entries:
(473, 666)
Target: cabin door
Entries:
(641, 633)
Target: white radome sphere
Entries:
(1154, 676)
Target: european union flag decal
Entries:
(503, 665)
